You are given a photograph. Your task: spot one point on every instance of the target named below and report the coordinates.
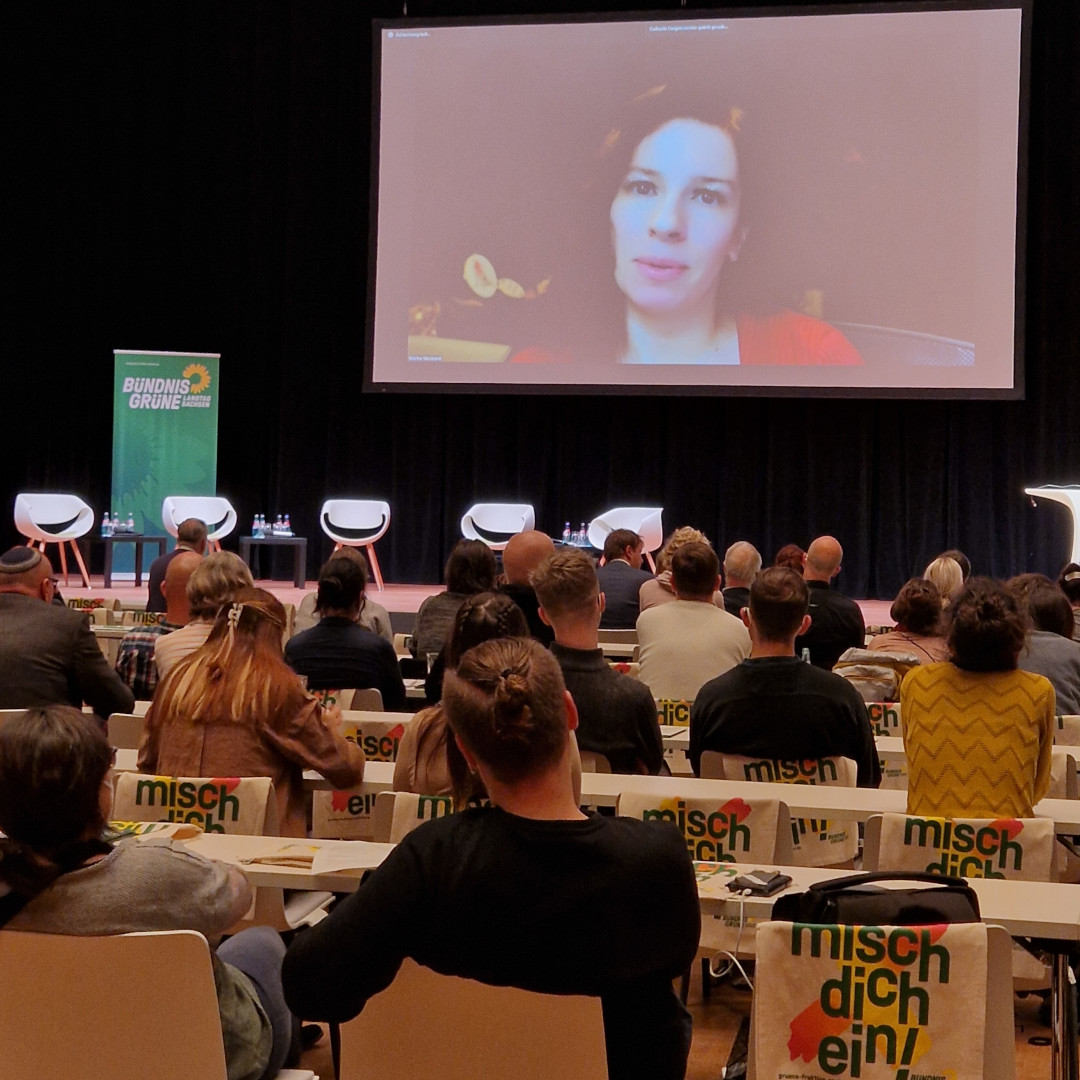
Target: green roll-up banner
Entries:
(165, 421)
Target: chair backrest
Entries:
(92, 603)
(236, 804)
(1067, 730)
(737, 830)
(379, 739)
(947, 1004)
(646, 521)
(884, 717)
(126, 730)
(594, 762)
(369, 699)
(397, 813)
(673, 711)
(61, 998)
(51, 516)
(1020, 849)
(626, 667)
(815, 842)
(354, 522)
(215, 511)
(1064, 783)
(894, 769)
(142, 618)
(495, 523)
(616, 637)
(472, 1030)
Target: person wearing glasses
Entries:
(48, 656)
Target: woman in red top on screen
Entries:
(677, 223)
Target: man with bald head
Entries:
(836, 623)
(742, 561)
(135, 657)
(190, 536)
(47, 654)
(524, 552)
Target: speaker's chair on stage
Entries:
(50, 518)
(357, 523)
(646, 521)
(214, 511)
(495, 523)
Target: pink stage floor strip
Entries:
(400, 598)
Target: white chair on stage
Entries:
(495, 523)
(50, 518)
(214, 511)
(644, 520)
(1068, 495)
(357, 523)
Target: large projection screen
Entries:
(822, 203)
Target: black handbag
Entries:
(857, 900)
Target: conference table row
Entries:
(803, 800)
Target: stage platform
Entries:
(402, 601)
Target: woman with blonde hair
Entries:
(947, 575)
(235, 708)
(660, 589)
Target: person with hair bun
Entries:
(58, 876)
(917, 614)
(235, 708)
(978, 731)
(527, 892)
(947, 574)
(428, 760)
(373, 616)
(337, 652)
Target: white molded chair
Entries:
(644, 520)
(495, 523)
(50, 518)
(357, 523)
(214, 510)
(162, 981)
(470, 1030)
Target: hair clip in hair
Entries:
(234, 616)
(1073, 575)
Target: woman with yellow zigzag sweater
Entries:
(978, 731)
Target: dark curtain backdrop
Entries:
(195, 176)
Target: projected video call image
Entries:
(810, 201)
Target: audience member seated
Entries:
(774, 705)
(526, 892)
(48, 656)
(213, 584)
(684, 644)
(135, 658)
(428, 760)
(616, 714)
(523, 553)
(978, 731)
(338, 652)
(946, 574)
(190, 536)
(917, 614)
(621, 578)
(1050, 649)
(742, 563)
(59, 877)
(960, 559)
(836, 623)
(235, 708)
(660, 590)
(1069, 583)
(792, 556)
(469, 570)
(373, 616)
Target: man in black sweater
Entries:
(774, 705)
(617, 714)
(836, 623)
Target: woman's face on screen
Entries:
(675, 217)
